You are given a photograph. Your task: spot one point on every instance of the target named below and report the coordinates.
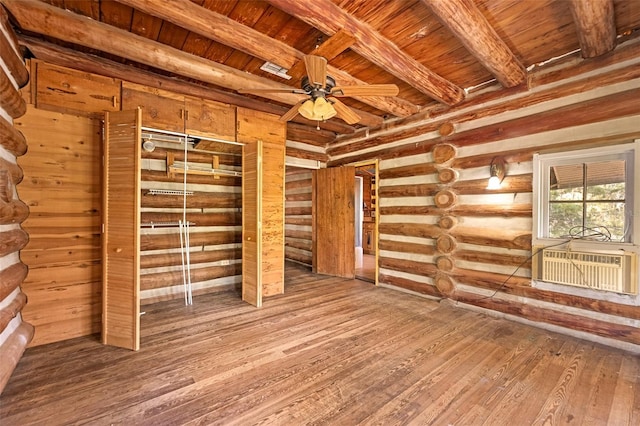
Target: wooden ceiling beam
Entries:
(330, 18)
(595, 25)
(64, 57)
(329, 49)
(468, 24)
(222, 29)
(64, 25)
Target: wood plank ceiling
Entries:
(437, 52)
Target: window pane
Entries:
(605, 180)
(563, 217)
(566, 194)
(606, 218)
(566, 182)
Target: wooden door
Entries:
(334, 217)
(251, 223)
(121, 225)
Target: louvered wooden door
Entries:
(121, 219)
(251, 223)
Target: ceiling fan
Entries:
(323, 103)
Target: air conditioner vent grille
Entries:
(610, 272)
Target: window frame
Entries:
(542, 163)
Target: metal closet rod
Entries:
(152, 225)
(187, 136)
(168, 192)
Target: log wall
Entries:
(306, 150)
(298, 216)
(214, 214)
(443, 234)
(15, 331)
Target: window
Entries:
(585, 227)
(586, 194)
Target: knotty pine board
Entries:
(61, 186)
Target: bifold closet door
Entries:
(251, 223)
(121, 230)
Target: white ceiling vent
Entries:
(275, 70)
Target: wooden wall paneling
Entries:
(273, 172)
(121, 245)
(160, 109)
(334, 248)
(254, 127)
(62, 188)
(257, 125)
(209, 118)
(67, 90)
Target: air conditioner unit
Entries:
(599, 271)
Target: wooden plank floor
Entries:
(329, 351)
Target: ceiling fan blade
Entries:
(316, 69)
(366, 90)
(292, 112)
(345, 112)
(260, 91)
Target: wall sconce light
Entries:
(496, 173)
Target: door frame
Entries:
(375, 163)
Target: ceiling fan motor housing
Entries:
(318, 92)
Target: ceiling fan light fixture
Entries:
(317, 109)
(306, 109)
(324, 109)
